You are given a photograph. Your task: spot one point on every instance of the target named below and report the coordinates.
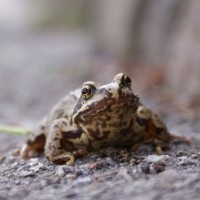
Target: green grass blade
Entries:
(15, 130)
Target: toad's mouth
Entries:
(109, 104)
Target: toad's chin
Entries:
(128, 102)
(106, 106)
(107, 110)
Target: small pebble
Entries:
(158, 168)
(132, 161)
(94, 156)
(181, 153)
(50, 168)
(109, 159)
(10, 159)
(71, 176)
(33, 162)
(26, 174)
(125, 173)
(17, 182)
(145, 167)
(37, 167)
(82, 181)
(195, 156)
(60, 172)
(94, 165)
(14, 165)
(23, 168)
(2, 158)
(156, 159)
(67, 169)
(70, 194)
(79, 173)
(184, 160)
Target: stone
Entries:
(158, 159)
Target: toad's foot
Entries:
(67, 157)
(27, 152)
(157, 144)
(177, 138)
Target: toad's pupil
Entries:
(85, 91)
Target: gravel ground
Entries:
(108, 174)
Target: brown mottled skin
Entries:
(95, 117)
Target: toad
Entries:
(95, 117)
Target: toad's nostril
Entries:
(126, 81)
(123, 80)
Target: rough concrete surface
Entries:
(108, 174)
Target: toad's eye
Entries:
(86, 91)
(126, 80)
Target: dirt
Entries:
(108, 174)
(34, 79)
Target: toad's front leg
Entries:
(60, 146)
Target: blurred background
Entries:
(48, 48)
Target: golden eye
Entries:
(86, 91)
